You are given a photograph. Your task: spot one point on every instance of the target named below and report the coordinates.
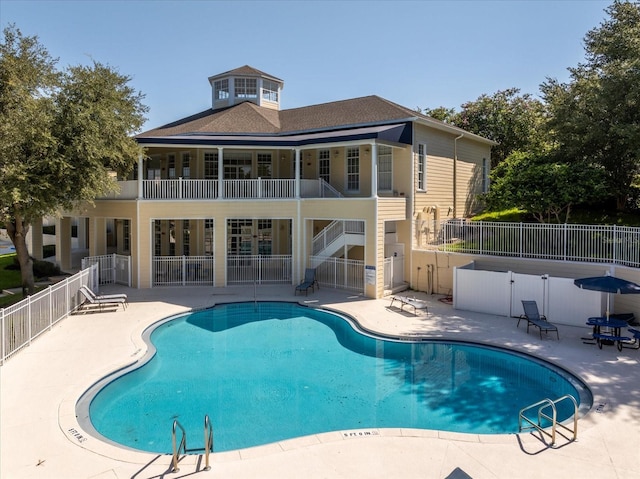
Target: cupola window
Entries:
(246, 87)
(221, 89)
(269, 90)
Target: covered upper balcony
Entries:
(355, 170)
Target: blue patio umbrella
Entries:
(608, 284)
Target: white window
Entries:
(210, 165)
(264, 165)
(186, 165)
(353, 169)
(246, 87)
(385, 157)
(221, 89)
(208, 237)
(324, 168)
(186, 233)
(171, 166)
(269, 90)
(422, 167)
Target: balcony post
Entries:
(220, 173)
(140, 176)
(374, 170)
(297, 173)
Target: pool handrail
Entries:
(176, 450)
(548, 403)
(208, 441)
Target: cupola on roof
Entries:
(245, 84)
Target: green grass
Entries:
(583, 216)
(9, 278)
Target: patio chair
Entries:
(534, 318)
(101, 301)
(309, 282)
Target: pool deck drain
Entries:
(40, 436)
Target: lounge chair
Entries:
(534, 318)
(104, 296)
(413, 302)
(101, 301)
(309, 282)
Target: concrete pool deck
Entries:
(41, 438)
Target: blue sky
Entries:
(415, 53)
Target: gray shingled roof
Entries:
(248, 118)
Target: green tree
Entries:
(511, 119)
(444, 114)
(544, 185)
(62, 135)
(595, 118)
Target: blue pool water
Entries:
(271, 371)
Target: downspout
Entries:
(455, 175)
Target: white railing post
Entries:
(615, 243)
(29, 318)
(3, 338)
(50, 289)
(184, 270)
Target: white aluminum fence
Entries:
(566, 242)
(339, 272)
(25, 321)
(113, 268)
(259, 269)
(183, 270)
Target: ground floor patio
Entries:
(40, 437)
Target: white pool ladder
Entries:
(542, 406)
(182, 446)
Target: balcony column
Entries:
(220, 173)
(140, 176)
(374, 170)
(297, 173)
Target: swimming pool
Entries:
(266, 372)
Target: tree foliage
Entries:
(62, 134)
(544, 185)
(507, 117)
(595, 118)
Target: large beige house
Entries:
(245, 192)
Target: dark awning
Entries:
(398, 133)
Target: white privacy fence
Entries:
(339, 272)
(112, 268)
(501, 293)
(566, 242)
(393, 272)
(23, 322)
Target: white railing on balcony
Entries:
(318, 189)
(566, 242)
(259, 188)
(259, 269)
(195, 189)
(335, 230)
(182, 270)
(23, 322)
(339, 273)
(179, 189)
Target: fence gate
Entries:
(113, 268)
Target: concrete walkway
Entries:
(41, 438)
